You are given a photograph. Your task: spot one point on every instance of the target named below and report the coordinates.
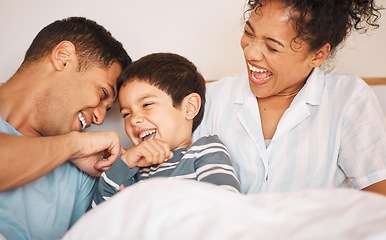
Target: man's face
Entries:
(77, 99)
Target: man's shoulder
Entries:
(5, 127)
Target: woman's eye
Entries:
(271, 49)
(247, 33)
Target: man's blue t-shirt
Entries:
(47, 207)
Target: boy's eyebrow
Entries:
(142, 99)
(146, 96)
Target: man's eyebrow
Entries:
(275, 41)
(113, 90)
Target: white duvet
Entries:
(184, 209)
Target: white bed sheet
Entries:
(184, 209)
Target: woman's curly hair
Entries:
(327, 21)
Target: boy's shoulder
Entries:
(207, 139)
(206, 142)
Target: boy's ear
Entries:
(320, 55)
(193, 105)
(62, 54)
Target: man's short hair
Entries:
(171, 73)
(94, 45)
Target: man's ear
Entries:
(62, 54)
(320, 55)
(192, 105)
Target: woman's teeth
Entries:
(255, 69)
(259, 74)
(81, 119)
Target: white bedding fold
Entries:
(185, 209)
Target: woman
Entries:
(289, 124)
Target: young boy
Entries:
(162, 98)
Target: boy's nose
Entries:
(136, 119)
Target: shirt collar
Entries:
(311, 92)
(243, 91)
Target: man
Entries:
(66, 82)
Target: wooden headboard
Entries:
(375, 81)
(369, 81)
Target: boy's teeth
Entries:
(81, 119)
(146, 133)
(255, 69)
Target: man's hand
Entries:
(147, 153)
(97, 151)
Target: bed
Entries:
(184, 209)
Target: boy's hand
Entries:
(147, 153)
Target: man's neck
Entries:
(16, 105)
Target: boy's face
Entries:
(148, 113)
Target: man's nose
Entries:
(99, 114)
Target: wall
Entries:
(206, 32)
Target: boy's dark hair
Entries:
(171, 73)
(94, 45)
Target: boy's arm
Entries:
(214, 166)
(111, 180)
(122, 172)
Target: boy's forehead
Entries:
(140, 90)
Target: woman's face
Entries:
(276, 64)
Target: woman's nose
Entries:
(254, 51)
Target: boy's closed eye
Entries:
(148, 104)
(125, 114)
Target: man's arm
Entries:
(24, 159)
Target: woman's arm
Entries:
(379, 187)
(24, 159)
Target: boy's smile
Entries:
(149, 113)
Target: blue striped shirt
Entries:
(332, 135)
(205, 160)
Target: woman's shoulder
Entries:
(228, 83)
(337, 78)
(346, 88)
